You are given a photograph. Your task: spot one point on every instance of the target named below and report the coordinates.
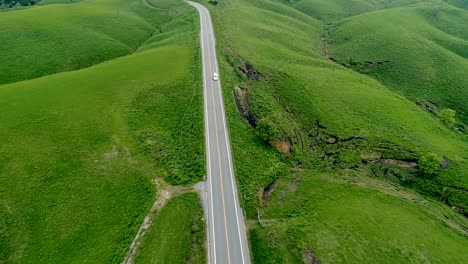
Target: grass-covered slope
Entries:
(336, 222)
(177, 235)
(61, 37)
(416, 51)
(79, 149)
(326, 9)
(325, 117)
(330, 10)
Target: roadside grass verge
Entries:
(177, 235)
(166, 122)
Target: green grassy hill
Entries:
(335, 222)
(62, 37)
(80, 149)
(317, 115)
(329, 10)
(414, 51)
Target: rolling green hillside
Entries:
(295, 113)
(329, 10)
(420, 54)
(80, 149)
(62, 37)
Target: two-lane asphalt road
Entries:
(227, 240)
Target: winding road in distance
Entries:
(227, 239)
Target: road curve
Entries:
(227, 239)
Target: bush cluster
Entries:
(447, 116)
(267, 130)
(429, 164)
(16, 3)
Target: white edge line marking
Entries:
(227, 141)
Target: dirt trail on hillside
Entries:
(164, 192)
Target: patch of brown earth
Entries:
(283, 146)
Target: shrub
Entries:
(429, 164)
(267, 130)
(447, 116)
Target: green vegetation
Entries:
(335, 120)
(331, 84)
(266, 130)
(447, 116)
(79, 149)
(57, 38)
(4, 4)
(177, 235)
(429, 164)
(335, 222)
(413, 51)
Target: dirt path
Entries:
(165, 192)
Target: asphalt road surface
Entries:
(227, 240)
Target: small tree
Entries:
(266, 130)
(447, 116)
(429, 164)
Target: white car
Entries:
(215, 76)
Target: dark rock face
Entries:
(249, 70)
